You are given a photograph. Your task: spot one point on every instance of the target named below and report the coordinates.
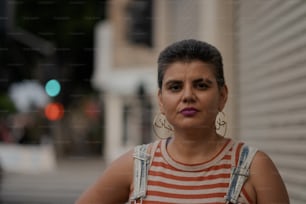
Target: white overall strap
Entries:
(153, 150)
(141, 162)
(240, 174)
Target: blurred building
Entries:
(263, 45)
(127, 48)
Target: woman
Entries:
(194, 164)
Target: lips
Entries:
(189, 111)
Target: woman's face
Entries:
(190, 97)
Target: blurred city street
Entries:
(63, 185)
(78, 85)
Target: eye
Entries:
(201, 85)
(175, 87)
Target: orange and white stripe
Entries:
(172, 182)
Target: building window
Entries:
(140, 22)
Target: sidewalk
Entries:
(63, 185)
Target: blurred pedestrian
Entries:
(194, 164)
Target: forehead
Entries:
(193, 69)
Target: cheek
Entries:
(210, 104)
(169, 105)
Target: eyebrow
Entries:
(194, 81)
(173, 81)
(203, 79)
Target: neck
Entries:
(195, 147)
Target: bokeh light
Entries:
(54, 111)
(53, 87)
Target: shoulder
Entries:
(153, 146)
(113, 186)
(265, 184)
(115, 183)
(242, 151)
(266, 180)
(148, 149)
(124, 164)
(263, 165)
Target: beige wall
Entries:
(126, 64)
(216, 27)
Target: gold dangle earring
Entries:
(221, 124)
(161, 127)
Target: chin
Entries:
(192, 126)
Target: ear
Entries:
(160, 103)
(223, 97)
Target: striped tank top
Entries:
(172, 182)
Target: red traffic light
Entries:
(54, 111)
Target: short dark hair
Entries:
(187, 51)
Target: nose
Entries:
(188, 95)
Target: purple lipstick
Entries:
(188, 112)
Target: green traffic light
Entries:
(53, 87)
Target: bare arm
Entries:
(267, 182)
(113, 187)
